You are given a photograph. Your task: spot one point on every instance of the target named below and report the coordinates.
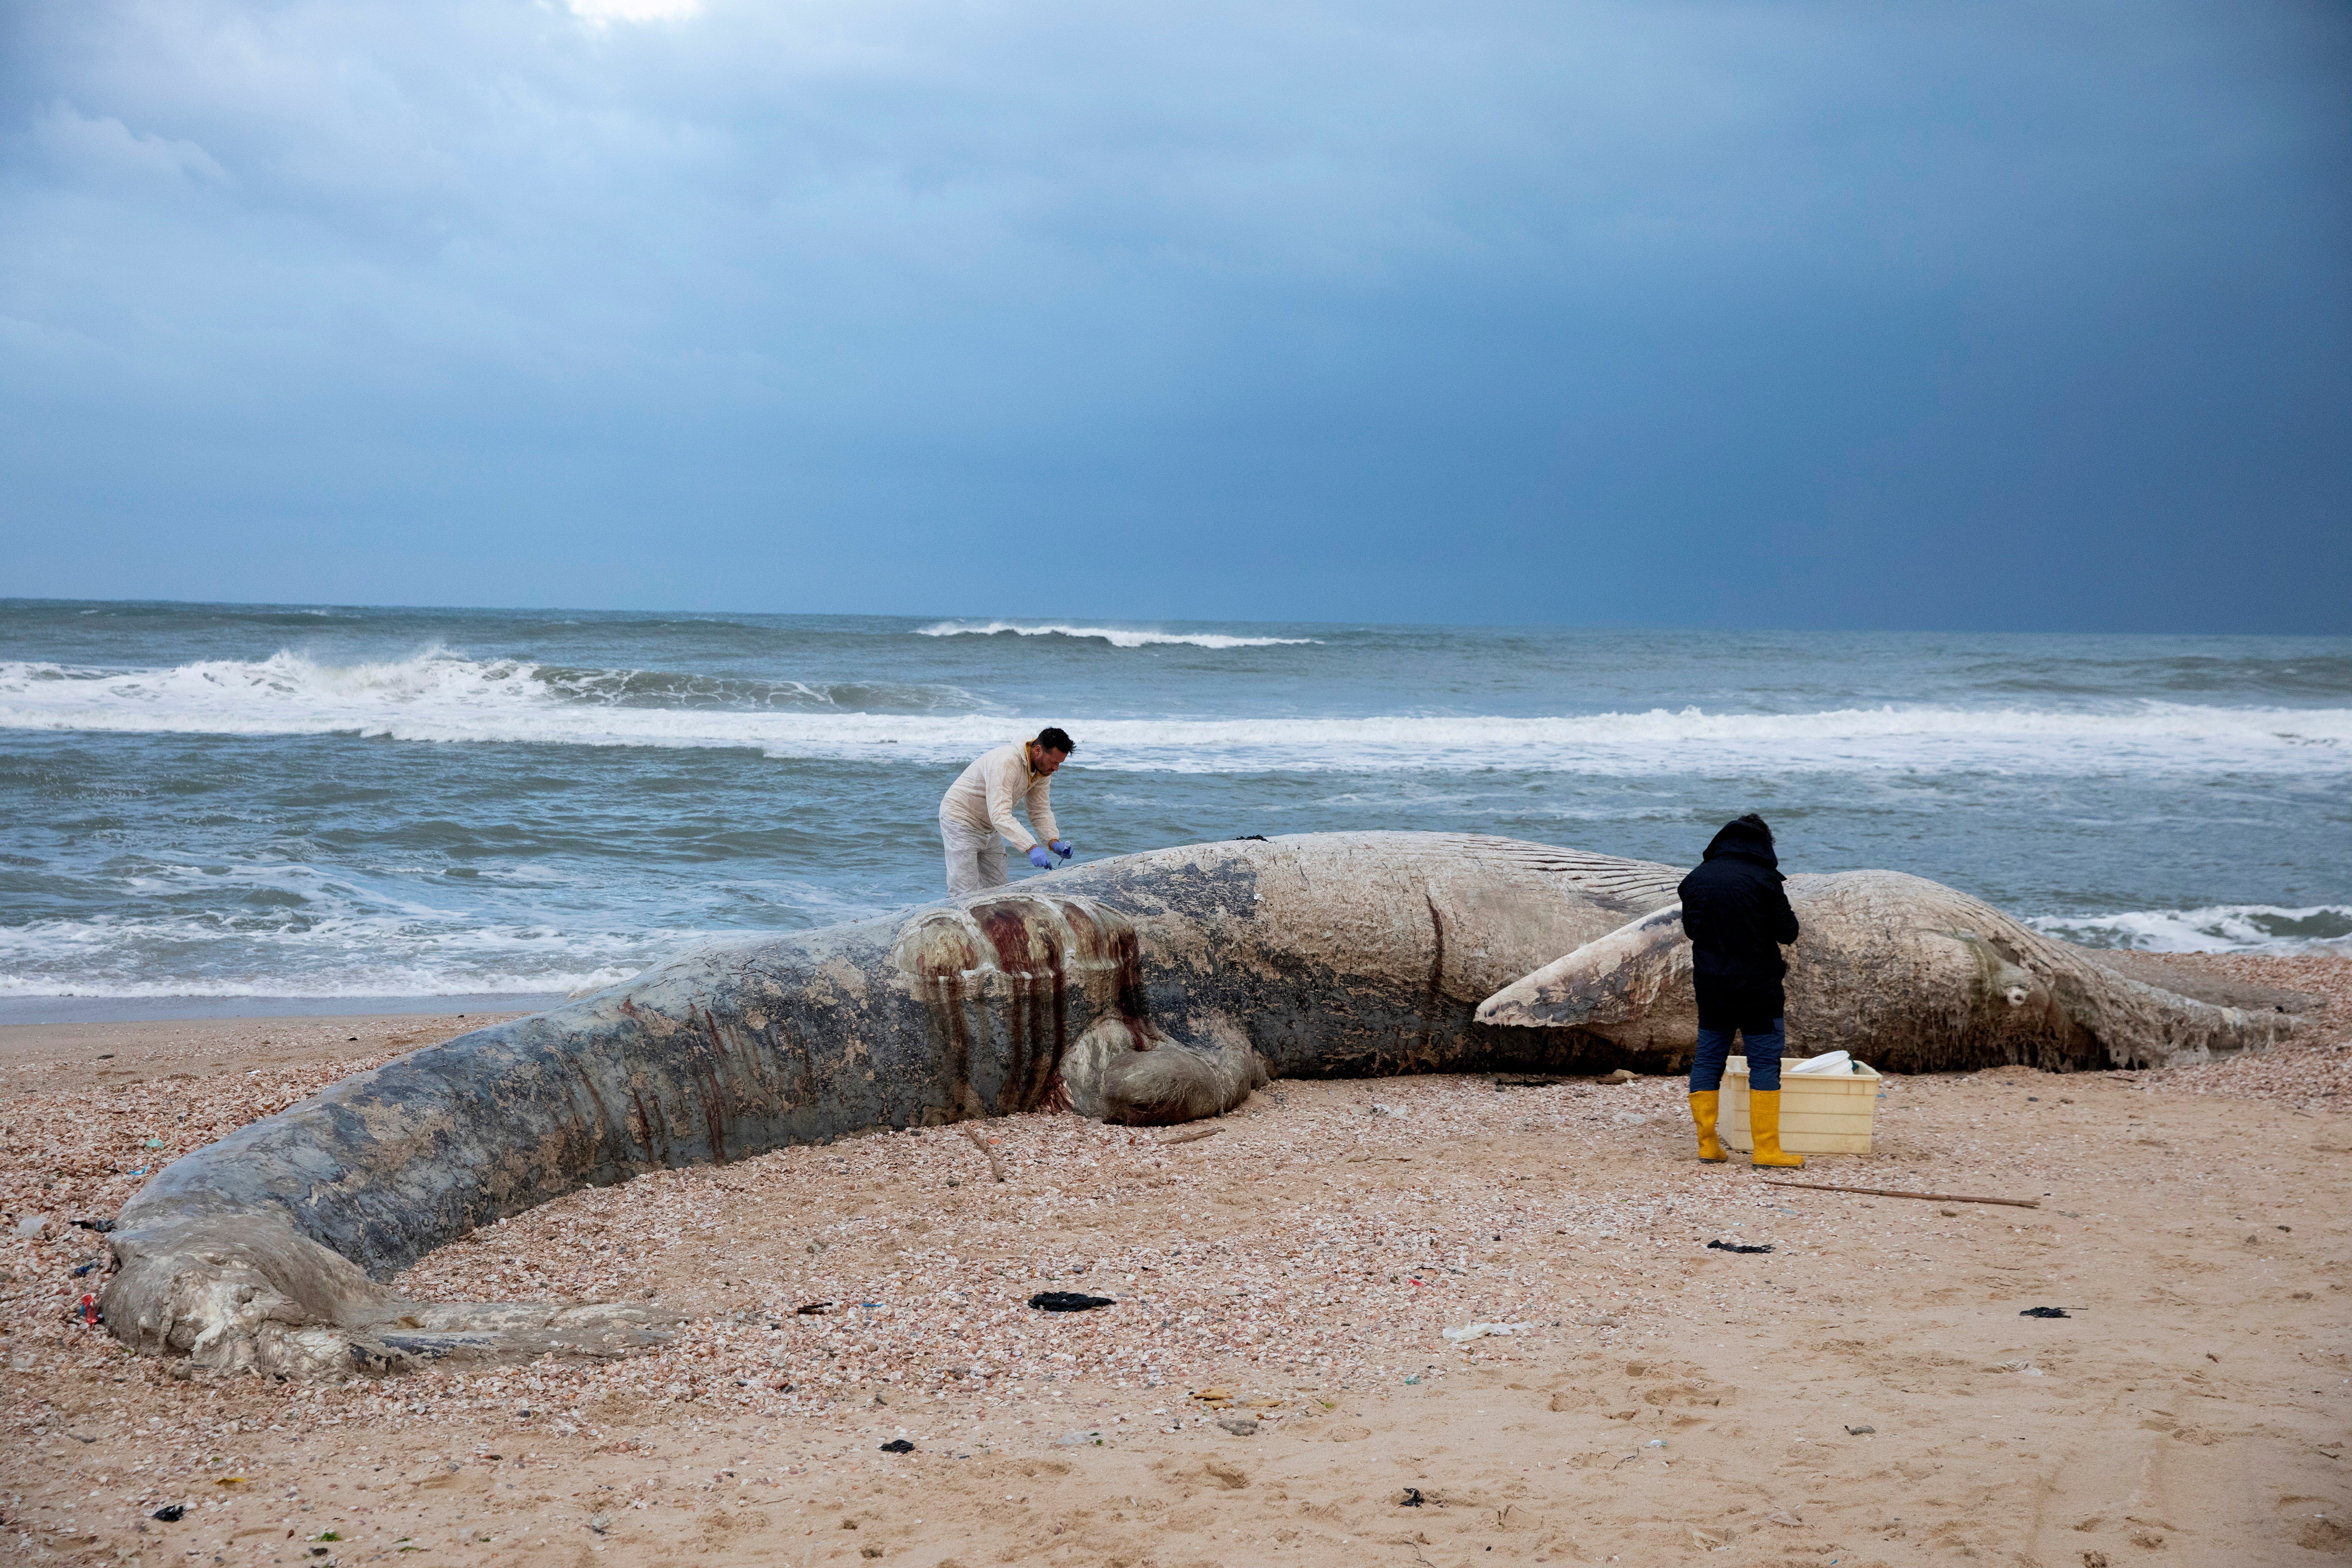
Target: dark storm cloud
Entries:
(1934, 315)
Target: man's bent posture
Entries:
(976, 820)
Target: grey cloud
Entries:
(1801, 288)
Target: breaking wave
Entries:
(349, 955)
(2222, 928)
(438, 696)
(1118, 636)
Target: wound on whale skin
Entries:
(1051, 986)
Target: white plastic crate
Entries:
(1826, 1113)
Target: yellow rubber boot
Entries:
(1764, 1123)
(1703, 1107)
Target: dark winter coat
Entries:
(1737, 920)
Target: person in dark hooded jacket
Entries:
(1737, 920)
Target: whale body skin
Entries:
(1151, 988)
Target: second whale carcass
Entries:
(1151, 988)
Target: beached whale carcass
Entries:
(1151, 988)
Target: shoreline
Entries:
(127, 1054)
(19, 1012)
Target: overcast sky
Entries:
(2026, 316)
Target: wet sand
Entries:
(1657, 1399)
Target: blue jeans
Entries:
(1763, 1057)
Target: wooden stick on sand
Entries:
(1191, 1135)
(981, 1144)
(1890, 1193)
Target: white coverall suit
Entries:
(976, 818)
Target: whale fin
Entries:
(1614, 980)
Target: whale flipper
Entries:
(1620, 979)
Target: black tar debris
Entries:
(1068, 1302)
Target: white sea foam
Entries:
(1118, 636)
(380, 979)
(282, 927)
(376, 954)
(439, 695)
(2220, 928)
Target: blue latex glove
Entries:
(1039, 858)
(1062, 846)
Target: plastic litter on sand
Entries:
(1480, 1330)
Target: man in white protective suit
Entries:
(976, 820)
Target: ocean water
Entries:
(223, 801)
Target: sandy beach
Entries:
(1864, 1393)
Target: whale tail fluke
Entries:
(254, 1295)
